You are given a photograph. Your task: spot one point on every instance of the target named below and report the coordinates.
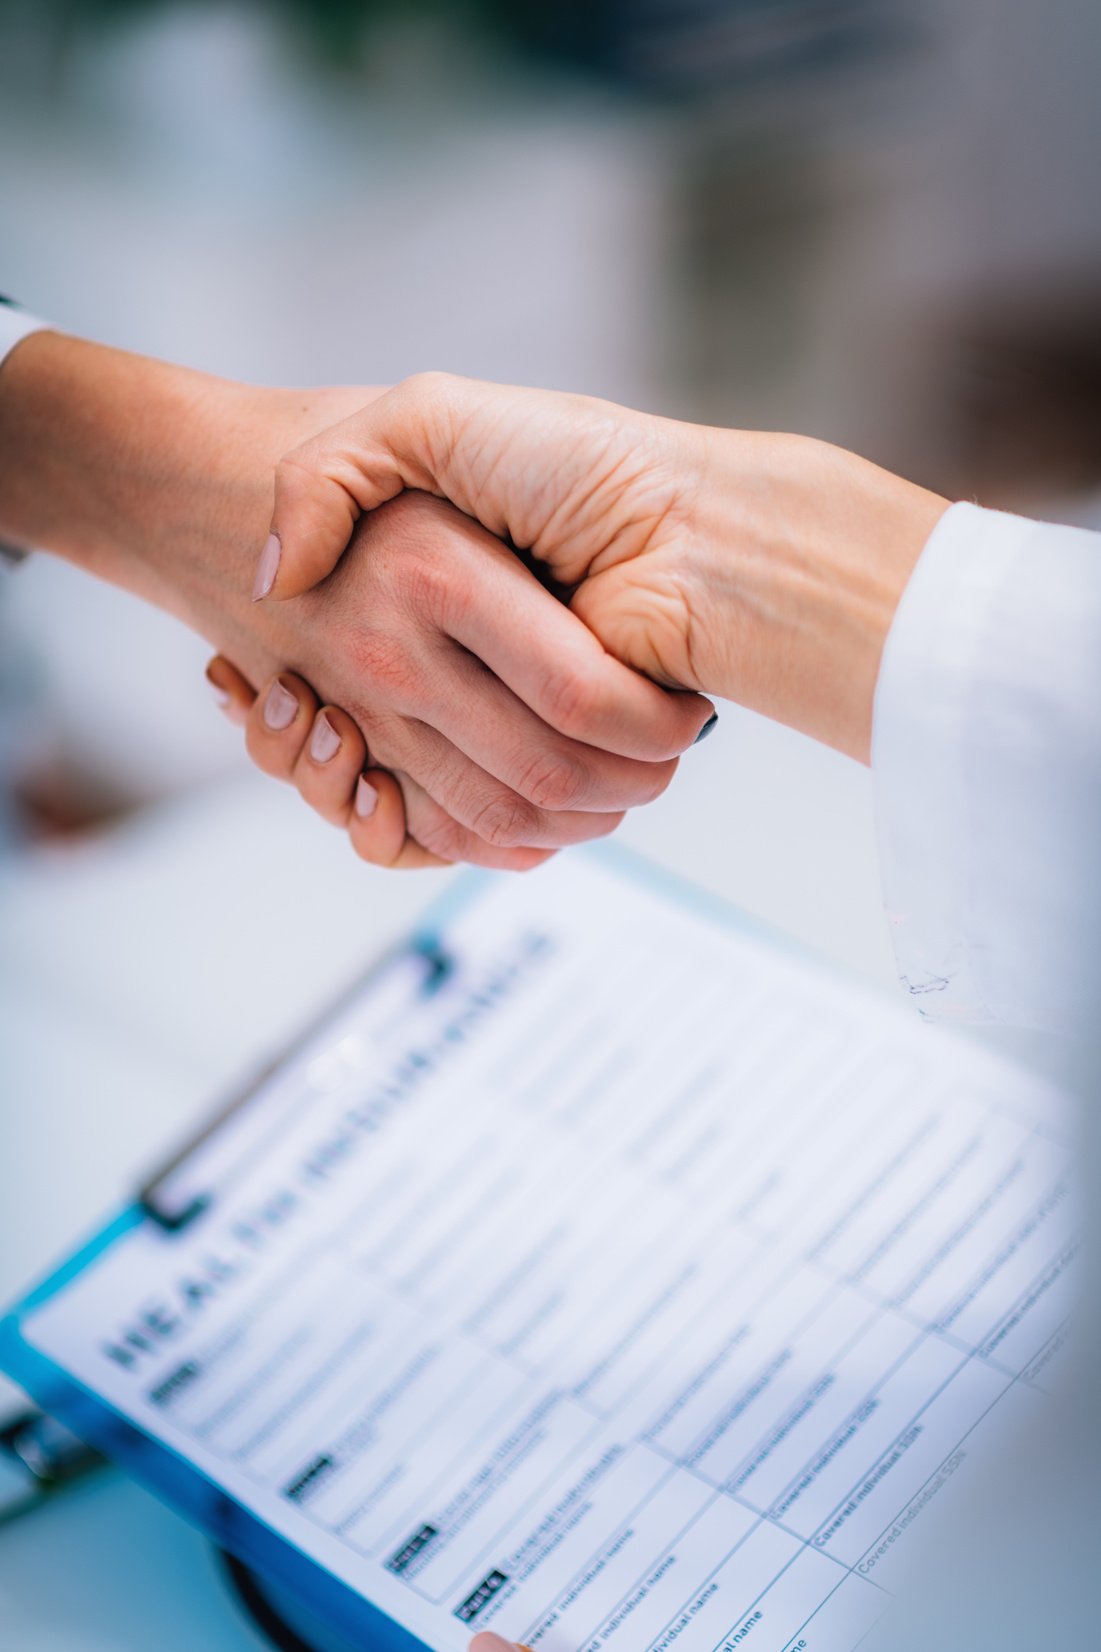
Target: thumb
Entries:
(322, 487)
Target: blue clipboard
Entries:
(171, 1476)
(434, 947)
(168, 1475)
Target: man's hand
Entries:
(510, 729)
(764, 568)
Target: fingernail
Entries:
(280, 707)
(230, 708)
(324, 741)
(267, 567)
(706, 729)
(366, 798)
(490, 1641)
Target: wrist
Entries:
(802, 554)
(104, 460)
(154, 477)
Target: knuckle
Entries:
(506, 822)
(413, 572)
(425, 582)
(553, 780)
(294, 474)
(571, 703)
(443, 836)
(430, 385)
(384, 670)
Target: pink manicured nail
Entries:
(366, 799)
(267, 567)
(324, 741)
(230, 708)
(280, 707)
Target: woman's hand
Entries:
(584, 486)
(510, 730)
(321, 752)
(765, 568)
(493, 706)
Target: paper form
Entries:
(642, 1287)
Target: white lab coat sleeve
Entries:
(15, 324)
(986, 756)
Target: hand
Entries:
(765, 568)
(510, 729)
(472, 683)
(322, 753)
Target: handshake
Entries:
(484, 619)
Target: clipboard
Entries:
(417, 967)
(491, 953)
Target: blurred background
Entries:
(873, 220)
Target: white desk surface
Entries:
(143, 973)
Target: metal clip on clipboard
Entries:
(188, 1183)
(39, 1457)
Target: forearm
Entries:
(154, 477)
(119, 464)
(801, 552)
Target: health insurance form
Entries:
(642, 1286)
